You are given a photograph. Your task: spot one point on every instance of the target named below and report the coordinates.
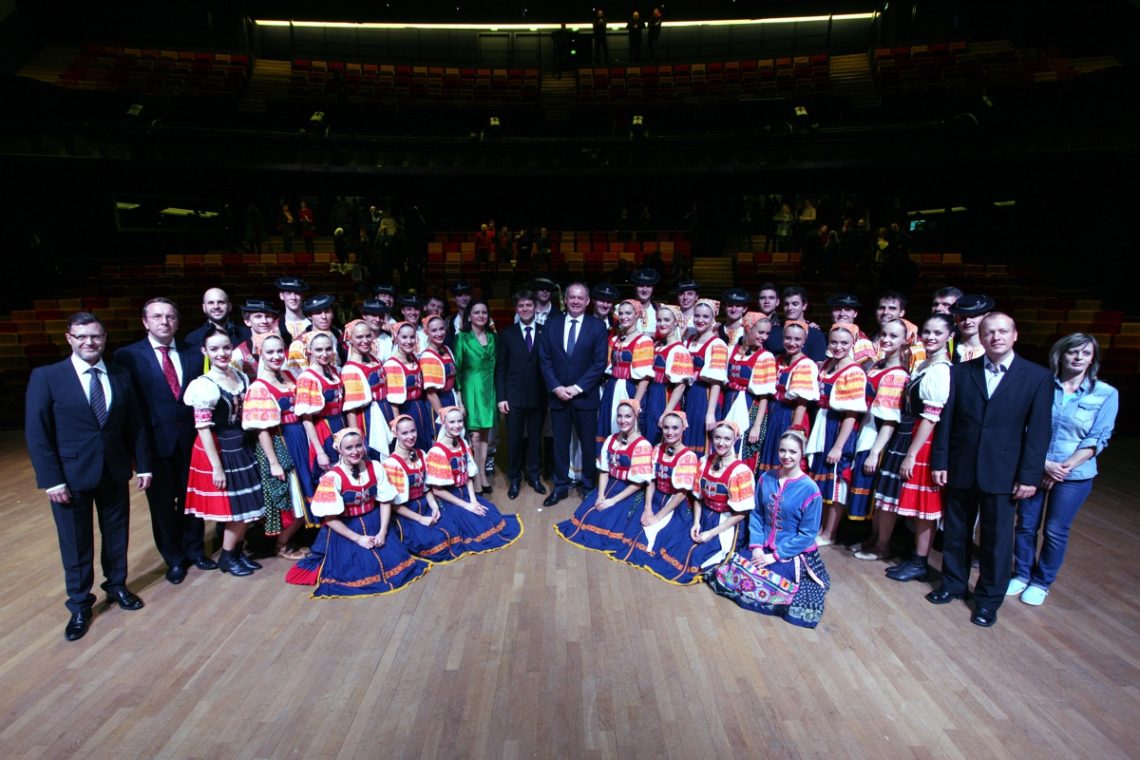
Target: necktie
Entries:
(169, 372)
(573, 338)
(98, 399)
(529, 341)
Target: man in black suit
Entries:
(989, 452)
(520, 393)
(572, 357)
(216, 306)
(83, 428)
(160, 368)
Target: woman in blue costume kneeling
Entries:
(354, 555)
(450, 472)
(625, 466)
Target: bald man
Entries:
(216, 306)
(988, 453)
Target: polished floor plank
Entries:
(544, 650)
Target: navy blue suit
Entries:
(66, 445)
(582, 367)
(170, 431)
(987, 445)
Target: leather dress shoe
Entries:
(176, 574)
(78, 625)
(942, 596)
(513, 490)
(984, 616)
(911, 570)
(204, 563)
(229, 563)
(537, 485)
(125, 599)
(555, 496)
(247, 561)
(583, 490)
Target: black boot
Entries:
(914, 569)
(243, 558)
(228, 563)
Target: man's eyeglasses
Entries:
(98, 338)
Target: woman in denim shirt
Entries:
(1084, 411)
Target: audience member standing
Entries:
(655, 20)
(601, 44)
(633, 30)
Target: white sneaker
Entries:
(1034, 595)
(1016, 586)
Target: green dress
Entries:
(475, 366)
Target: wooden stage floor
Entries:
(545, 651)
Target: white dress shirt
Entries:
(81, 368)
(995, 372)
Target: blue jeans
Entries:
(1059, 508)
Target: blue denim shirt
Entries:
(1084, 422)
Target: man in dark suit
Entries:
(520, 393)
(989, 452)
(83, 428)
(572, 357)
(160, 368)
(217, 307)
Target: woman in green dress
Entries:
(475, 365)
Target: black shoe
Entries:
(487, 490)
(176, 574)
(78, 625)
(228, 563)
(245, 559)
(984, 617)
(584, 489)
(513, 490)
(537, 485)
(125, 599)
(555, 496)
(204, 563)
(942, 596)
(911, 570)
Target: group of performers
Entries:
(719, 440)
(712, 445)
(372, 451)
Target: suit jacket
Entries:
(518, 378)
(995, 442)
(65, 442)
(583, 367)
(238, 332)
(167, 420)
